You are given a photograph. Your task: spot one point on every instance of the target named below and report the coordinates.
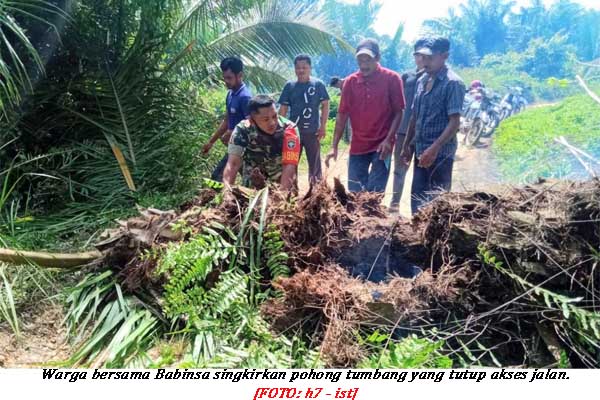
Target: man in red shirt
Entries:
(373, 99)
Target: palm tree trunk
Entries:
(49, 260)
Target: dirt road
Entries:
(474, 169)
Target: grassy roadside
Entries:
(525, 144)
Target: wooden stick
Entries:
(576, 152)
(49, 260)
(587, 89)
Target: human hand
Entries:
(406, 154)
(206, 148)
(385, 149)
(333, 154)
(428, 157)
(225, 138)
(321, 133)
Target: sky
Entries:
(414, 12)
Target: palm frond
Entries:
(18, 56)
(271, 29)
(201, 18)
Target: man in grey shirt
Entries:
(409, 79)
(303, 99)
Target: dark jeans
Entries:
(366, 172)
(428, 183)
(311, 144)
(399, 173)
(217, 174)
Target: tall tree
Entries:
(487, 22)
(462, 50)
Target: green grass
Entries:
(525, 148)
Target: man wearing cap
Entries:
(373, 100)
(434, 123)
(409, 79)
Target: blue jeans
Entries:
(217, 174)
(366, 172)
(428, 183)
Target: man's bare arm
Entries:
(283, 110)
(410, 134)
(325, 111)
(430, 155)
(385, 149)
(407, 149)
(288, 177)
(216, 136)
(340, 124)
(450, 131)
(234, 164)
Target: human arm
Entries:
(284, 100)
(324, 105)
(454, 101)
(340, 124)
(430, 154)
(407, 148)
(221, 130)
(235, 151)
(341, 120)
(324, 119)
(283, 110)
(288, 177)
(397, 102)
(387, 146)
(234, 163)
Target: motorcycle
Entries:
(513, 103)
(481, 116)
(493, 112)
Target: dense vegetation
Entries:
(124, 100)
(525, 144)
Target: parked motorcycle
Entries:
(481, 116)
(513, 103)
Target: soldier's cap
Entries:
(369, 47)
(436, 45)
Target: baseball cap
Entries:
(420, 43)
(369, 47)
(437, 45)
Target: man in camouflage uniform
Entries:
(266, 146)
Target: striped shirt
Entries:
(432, 111)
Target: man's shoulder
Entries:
(353, 77)
(244, 126)
(245, 92)
(454, 77)
(390, 73)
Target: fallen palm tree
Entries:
(508, 278)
